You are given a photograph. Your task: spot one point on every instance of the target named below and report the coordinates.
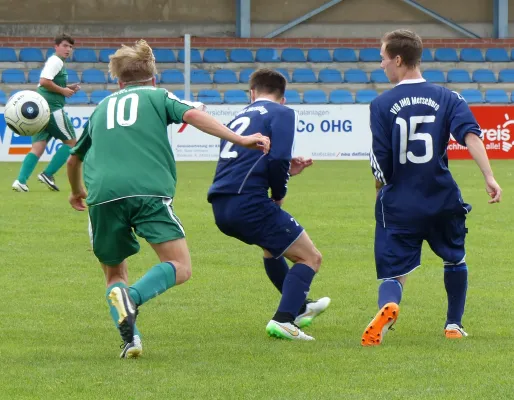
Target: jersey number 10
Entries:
(407, 135)
(120, 114)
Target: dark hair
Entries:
(64, 37)
(406, 44)
(267, 81)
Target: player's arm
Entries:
(50, 70)
(381, 149)
(74, 169)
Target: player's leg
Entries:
(30, 161)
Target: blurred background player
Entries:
(417, 198)
(243, 209)
(54, 88)
(130, 176)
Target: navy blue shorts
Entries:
(256, 220)
(398, 251)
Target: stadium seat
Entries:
(200, 76)
(458, 76)
(284, 72)
(434, 76)
(157, 78)
(293, 55)
(98, 95)
(330, 76)
(340, 96)
(472, 95)
(73, 77)
(355, 76)
(13, 92)
(506, 75)
(496, 96)
(304, 75)
(378, 76)
(315, 96)
(13, 76)
(292, 97)
(236, 97)
(365, 95)
(427, 55)
(345, 55)
(267, 55)
(7, 55)
(484, 76)
(3, 97)
(209, 96)
(370, 55)
(214, 56)
(93, 76)
(172, 76)
(319, 56)
(224, 76)
(244, 75)
(31, 54)
(103, 55)
(497, 55)
(34, 75)
(195, 56)
(181, 94)
(164, 56)
(241, 56)
(446, 55)
(471, 55)
(84, 56)
(79, 97)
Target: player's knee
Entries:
(314, 259)
(183, 272)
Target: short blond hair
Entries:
(133, 63)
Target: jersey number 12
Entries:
(120, 114)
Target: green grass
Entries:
(206, 339)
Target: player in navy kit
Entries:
(244, 210)
(417, 198)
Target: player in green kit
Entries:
(130, 176)
(53, 86)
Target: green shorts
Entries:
(113, 226)
(59, 127)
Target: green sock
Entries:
(112, 309)
(58, 160)
(157, 280)
(27, 167)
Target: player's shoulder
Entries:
(55, 60)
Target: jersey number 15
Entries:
(408, 133)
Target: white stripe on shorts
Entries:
(167, 203)
(61, 124)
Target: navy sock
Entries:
(294, 292)
(389, 291)
(456, 284)
(277, 270)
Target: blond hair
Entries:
(133, 63)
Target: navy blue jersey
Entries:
(241, 170)
(411, 126)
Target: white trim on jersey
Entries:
(52, 67)
(375, 166)
(411, 81)
(195, 104)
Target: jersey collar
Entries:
(411, 81)
(261, 99)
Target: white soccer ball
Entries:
(27, 113)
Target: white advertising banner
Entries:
(324, 132)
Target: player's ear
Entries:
(122, 84)
(252, 95)
(153, 81)
(283, 100)
(399, 61)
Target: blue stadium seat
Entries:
(236, 97)
(200, 76)
(84, 56)
(446, 55)
(304, 75)
(110, 79)
(458, 76)
(157, 79)
(225, 76)
(164, 56)
(340, 96)
(497, 55)
(267, 55)
(471, 55)
(196, 57)
(98, 95)
(73, 77)
(365, 95)
(427, 56)
(329, 75)
(319, 56)
(241, 56)
(172, 76)
(181, 95)
(3, 97)
(103, 55)
(370, 55)
(378, 76)
(506, 75)
(34, 75)
(7, 55)
(93, 75)
(293, 55)
(244, 75)
(79, 97)
(292, 97)
(472, 95)
(31, 54)
(434, 76)
(13, 92)
(284, 72)
(345, 55)
(496, 96)
(315, 96)
(13, 76)
(355, 76)
(215, 56)
(484, 76)
(209, 96)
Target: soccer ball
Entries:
(27, 113)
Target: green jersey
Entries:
(55, 71)
(125, 146)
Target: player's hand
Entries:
(257, 142)
(493, 190)
(74, 86)
(298, 164)
(76, 200)
(67, 92)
